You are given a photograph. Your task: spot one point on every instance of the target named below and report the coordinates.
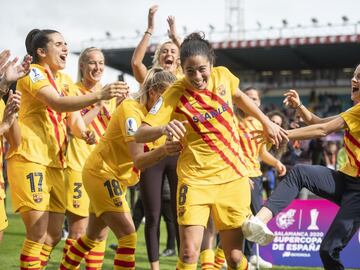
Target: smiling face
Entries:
(276, 119)
(55, 53)
(197, 70)
(92, 66)
(168, 56)
(355, 85)
(253, 94)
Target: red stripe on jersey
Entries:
(211, 143)
(106, 112)
(216, 98)
(57, 133)
(247, 140)
(254, 128)
(101, 120)
(348, 150)
(97, 130)
(352, 139)
(218, 117)
(210, 127)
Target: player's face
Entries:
(197, 70)
(254, 95)
(355, 85)
(168, 58)
(93, 67)
(276, 119)
(55, 53)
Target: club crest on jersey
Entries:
(36, 75)
(37, 198)
(221, 90)
(181, 211)
(117, 201)
(131, 126)
(156, 107)
(76, 204)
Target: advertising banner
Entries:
(299, 230)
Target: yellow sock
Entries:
(76, 252)
(30, 255)
(219, 258)
(243, 265)
(185, 266)
(68, 243)
(44, 255)
(207, 259)
(125, 253)
(95, 258)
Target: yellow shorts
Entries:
(77, 200)
(3, 217)
(35, 186)
(229, 204)
(105, 191)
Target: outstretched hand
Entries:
(175, 129)
(12, 107)
(13, 72)
(151, 16)
(292, 99)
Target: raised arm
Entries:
(292, 100)
(49, 96)
(138, 68)
(10, 72)
(274, 133)
(172, 31)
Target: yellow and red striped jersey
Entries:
(250, 148)
(111, 154)
(78, 151)
(211, 144)
(43, 130)
(352, 141)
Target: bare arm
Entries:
(9, 126)
(79, 129)
(49, 96)
(90, 115)
(317, 130)
(271, 160)
(138, 68)
(172, 31)
(147, 133)
(142, 159)
(292, 99)
(272, 132)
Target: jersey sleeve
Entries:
(130, 119)
(163, 109)
(36, 80)
(233, 81)
(351, 118)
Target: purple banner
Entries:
(299, 230)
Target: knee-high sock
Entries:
(125, 253)
(95, 258)
(207, 259)
(243, 265)
(77, 252)
(45, 254)
(68, 243)
(30, 255)
(185, 266)
(219, 258)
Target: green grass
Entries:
(15, 233)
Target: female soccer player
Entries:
(96, 117)
(212, 174)
(114, 165)
(341, 187)
(166, 55)
(35, 168)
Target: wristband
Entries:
(147, 32)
